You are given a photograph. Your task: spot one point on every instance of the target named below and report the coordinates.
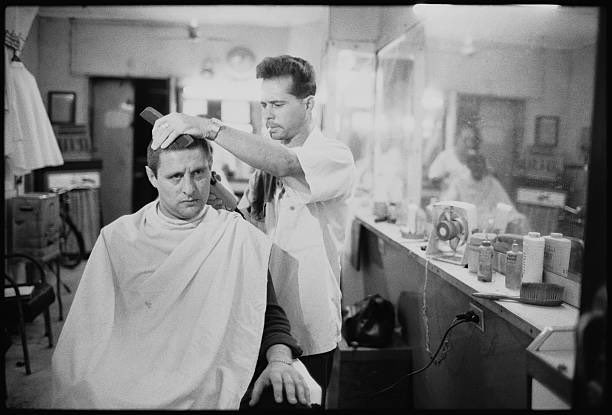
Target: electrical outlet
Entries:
(478, 311)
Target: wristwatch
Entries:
(214, 126)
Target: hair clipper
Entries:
(229, 199)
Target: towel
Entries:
(168, 315)
(262, 186)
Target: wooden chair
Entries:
(21, 303)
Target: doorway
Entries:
(121, 138)
(147, 93)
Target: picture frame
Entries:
(546, 131)
(61, 107)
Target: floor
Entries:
(33, 391)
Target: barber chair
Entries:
(22, 303)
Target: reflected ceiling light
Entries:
(468, 48)
(546, 6)
(422, 10)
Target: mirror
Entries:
(472, 100)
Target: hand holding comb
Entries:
(536, 293)
(151, 115)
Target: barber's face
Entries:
(183, 182)
(284, 114)
(478, 167)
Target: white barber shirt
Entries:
(307, 219)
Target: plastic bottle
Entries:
(557, 250)
(533, 257)
(485, 262)
(473, 251)
(514, 267)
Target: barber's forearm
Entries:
(258, 152)
(279, 352)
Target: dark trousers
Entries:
(320, 366)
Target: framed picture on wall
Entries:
(546, 131)
(61, 107)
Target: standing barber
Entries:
(298, 195)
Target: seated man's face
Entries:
(183, 182)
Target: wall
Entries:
(308, 41)
(54, 65)
(394, 21)
(142, 50)
(357, 24)
(68, 56)
(29, 52)
(581, 87)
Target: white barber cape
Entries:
(168, 315)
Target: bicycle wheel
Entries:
(72, 247)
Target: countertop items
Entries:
(531, 319)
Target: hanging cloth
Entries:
(29, 140)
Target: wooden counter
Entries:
(476, 369)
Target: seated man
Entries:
(483, 190)
(175, 307)
(451, 161)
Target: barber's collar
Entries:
(193, 222)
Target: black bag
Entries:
(369, 322)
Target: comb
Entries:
(536, 293)
(150, 114)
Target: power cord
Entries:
(467, 317)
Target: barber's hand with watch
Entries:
(167, 128)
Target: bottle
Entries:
(392, 212)
(485, 262)
(514, 267)
(557, 250)
(473, 251)
(533, 257)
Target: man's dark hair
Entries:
(301, 72)
(153, 155)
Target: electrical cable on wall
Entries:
(424, 308)
(459, 319)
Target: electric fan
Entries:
(453, 224)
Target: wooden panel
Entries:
(474, 369)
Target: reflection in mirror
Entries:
(494, 116)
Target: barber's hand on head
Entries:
(281, 376)
(168, 127)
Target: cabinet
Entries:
(361, 375)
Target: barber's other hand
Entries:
(281, 376)
(168, 127)
(215, 202)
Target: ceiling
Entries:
(554, 27)
(560, 27)
(267, 16)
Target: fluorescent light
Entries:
(546, 6)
